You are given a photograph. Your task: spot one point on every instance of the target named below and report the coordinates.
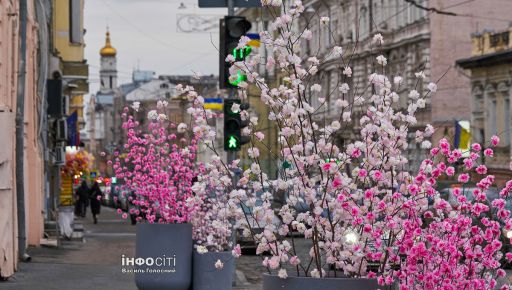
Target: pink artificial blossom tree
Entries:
(157, 166)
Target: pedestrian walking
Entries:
(96, 196)
(82, 194)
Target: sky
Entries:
(144, 32)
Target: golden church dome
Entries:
(108, 49)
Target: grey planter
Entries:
(163, 256)
(207, 277)
(273, 282)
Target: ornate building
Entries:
(101, 105)
(490, 66)
(414, 40)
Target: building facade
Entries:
(490, 67)
(68, 47)
(414, 40)
(33, 168)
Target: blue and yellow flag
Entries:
(213, 103)
(255, 39)
(462, 138)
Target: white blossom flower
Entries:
(341, 103)
(429, 130)
(414, 94)
(347, 71)
(395, 97)
(202, 250)
(421, 103)
(344, 88)
(315, 273)
(235, 108)
(282, 274)
(162, 117)
(397, 80)
(382, 60)
(307, 34)
(426, 144)
(432, 87)
(324, 20)
(420, 75)
(255, 168)
(335, 125)
(136, 106)
(219, 265)
(313, 60)
(377, 38)
(182, 127)
(153, 115)
(316, 88)
(230, 58)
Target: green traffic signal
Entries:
(241, 53)
(240, 78)
(232, 142)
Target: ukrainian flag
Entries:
(255, 39)
(213, 103)
(462, 135)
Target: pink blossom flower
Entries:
(326, 166)
(481, 169)
(464, 177)
(495, 140)
(237, 251)
(488, 152)
(476, 147)
(336, 182)
(450, 171)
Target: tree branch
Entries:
(431, 9)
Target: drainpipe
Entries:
(19, 151)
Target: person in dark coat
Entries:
(96, 196)
(82, 194)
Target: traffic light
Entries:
(231, 29)
(233, 125)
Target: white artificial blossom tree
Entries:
(367, 216)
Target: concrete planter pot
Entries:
(273, 282)
(163, 256)
(207, 277)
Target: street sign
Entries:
(197, 23)
(224, 3)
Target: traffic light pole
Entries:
(231, 155)
(231, 7)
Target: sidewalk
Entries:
(75, 265)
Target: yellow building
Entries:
(269, 146)
(68, 45)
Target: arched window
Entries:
(363, 23)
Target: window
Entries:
(75, 21)
(493, 126)
(363, 23)
(507, 128)
(110, 80)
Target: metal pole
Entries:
(231, 7)
(231, 155)
(20, 124)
